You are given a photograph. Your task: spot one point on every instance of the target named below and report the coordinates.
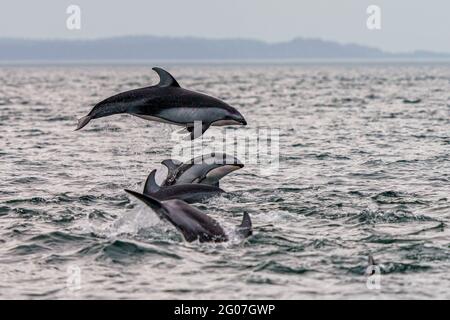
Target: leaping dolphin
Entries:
(190, 221)
(168, 102)
(205, 169)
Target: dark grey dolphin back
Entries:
(193, 223)
(190, 192)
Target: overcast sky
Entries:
(405, 24)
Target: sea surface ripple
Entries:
(364, 169)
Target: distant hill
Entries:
(167, 48)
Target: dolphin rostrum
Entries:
(205, 169)
(168, 102)
(190, 221)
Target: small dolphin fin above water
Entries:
(150, 184)
(370, 270)
(371, 261)
(245, 229)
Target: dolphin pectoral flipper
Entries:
(245, 228)
(150, 184)
(83, 122)
(183, 130)
(195, 133)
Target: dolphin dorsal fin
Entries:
(150, 185)
(171, 164)
(245, 228)
(371, 261)
(165, 78)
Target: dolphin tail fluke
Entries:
(153, 203)
(150, 185)
(82, 122)
(171, 164)
(245, 229)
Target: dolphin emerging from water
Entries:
(190, 221)
(168, 102)
(205, 169)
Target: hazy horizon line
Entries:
(92, 39)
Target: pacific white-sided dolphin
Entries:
(168, 102)
(190, 221)
(205, 169)
(189, 192)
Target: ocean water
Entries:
(364, 168)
